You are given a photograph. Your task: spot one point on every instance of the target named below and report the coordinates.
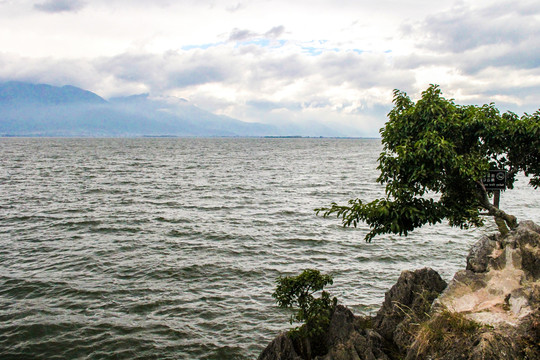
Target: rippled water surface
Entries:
(169, 248)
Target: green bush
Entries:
(297, 292)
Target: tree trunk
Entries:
(505, 222)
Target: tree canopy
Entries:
(435, 155)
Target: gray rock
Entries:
(480, 254)
(527, 237)
(491, 310)
(341, 326)
(348, 338)
(281, 348)
(494, 346)
(409, 300)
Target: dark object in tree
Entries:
(298, 292)
(435, 155)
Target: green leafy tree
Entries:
(435, 155)
(298, 292)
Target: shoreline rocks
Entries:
(490, 310)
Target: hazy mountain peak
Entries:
(14, 92)
(46, 110)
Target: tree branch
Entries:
(504, 221)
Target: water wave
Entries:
(169, 248)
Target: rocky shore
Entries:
(490, 310)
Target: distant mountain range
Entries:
(44, 110)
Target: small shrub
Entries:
(298, 292)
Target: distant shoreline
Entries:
(186, 137)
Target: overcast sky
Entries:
(335, 62)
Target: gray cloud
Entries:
(275, 32)
(482, 54)
(240, 35)
(504, 8)
(523, 55)
(363, 70)
(464, 29)
(56, 6)
(520, 56)
(281, 68)
(170, 70)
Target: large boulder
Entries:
(526, 238)
(407, 302)
(281, 348)
(480, 254)
(350, 337)
(491, 310)
(503, 291)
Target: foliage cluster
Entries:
(298, 292)
(435, 155)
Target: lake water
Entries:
(169, 248)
